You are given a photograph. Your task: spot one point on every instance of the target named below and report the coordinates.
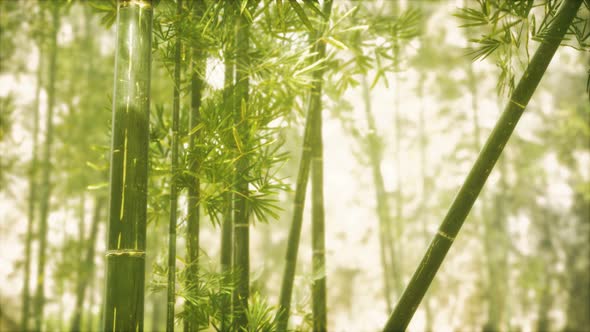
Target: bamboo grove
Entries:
(269, 165)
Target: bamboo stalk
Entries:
(193, 211)
(26, 300)
(226, 259)
(46, 171)
(241, 222)
(380, 195)
(171, 298)
(126, 235)
(402, 314)
(88, 265)
(313, 113)
(318, 232)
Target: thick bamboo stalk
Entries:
(402, 314)
(171, 298)
(46, 171)
(126, 235)
(193, 211)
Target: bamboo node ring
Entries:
(445, 235)
(517, 104)
(126, 252)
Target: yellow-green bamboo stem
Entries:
(126, 235)
(435, 254)
(46, 171)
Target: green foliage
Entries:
(509, 26)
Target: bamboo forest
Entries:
(295, 165)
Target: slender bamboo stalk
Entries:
(126, 235)
(402, 314)
(87, 265)
(424, 211)
(313, 113)
(318, 232)
(296, 223)
(241, 222)
(171, 299)
(26, 299)
(198, 65)
(396, 236)
(380, 195)
(226, 259)
(46, 171)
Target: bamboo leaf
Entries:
(336, 43)
(301, 13)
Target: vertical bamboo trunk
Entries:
(198, 65)
(318, 233)
(307, 153)
(171, 299)
(26, 301)
(87, 265)
(241, 223)
(227, 223)
(296, 223)
(424, 211)
(413, 294)
(126, 235)
(395, 237)
(46, 171)
(380, 195)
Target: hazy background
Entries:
(541, 196)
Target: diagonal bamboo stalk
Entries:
(440, 245)
(307, 153)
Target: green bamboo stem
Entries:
(380, 195)
(318, 232)
(87, 265)
(126, 235)
(227, 223)
(26, 300)
(241, 223)
(193, 211)
(424, 184)
(402, 314)
(307, 153)
(46, 171)
(396, 253)
(296, 223)
(171, 298)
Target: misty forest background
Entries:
(378, 108)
